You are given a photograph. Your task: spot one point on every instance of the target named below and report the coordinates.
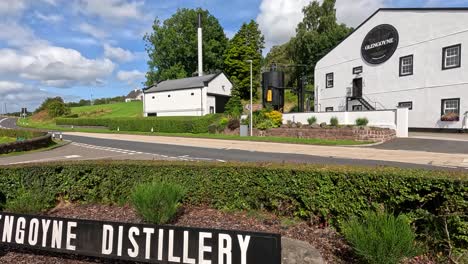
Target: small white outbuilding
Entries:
(194, 96)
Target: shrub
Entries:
(223, 122)
(362, 121)
(334, 121)
(331, 194)
(275, 117)
(157, 202)
(213, 128)
(234, 107)
(381, 238)
(233, 124)
(57, 108)
(312, 120)
(450, 117)
(265, 124)
(28, 201)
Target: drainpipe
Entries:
(465, 121)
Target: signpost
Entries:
(380, 44)
(139, 242)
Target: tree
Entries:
(172, 46)
(247, 44)
(317, 34)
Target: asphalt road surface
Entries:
(166, 151)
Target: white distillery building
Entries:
(415, 58)
(194, 96)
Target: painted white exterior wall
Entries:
(423, 34)
(187, 102)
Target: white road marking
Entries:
(47, 159)
(2, 121)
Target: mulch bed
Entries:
(330, 244)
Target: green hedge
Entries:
(159, 124)
(330, 193)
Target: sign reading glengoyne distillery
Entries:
(139, 242)
(380, 44)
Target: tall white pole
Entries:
(200, 47)
(251, 101)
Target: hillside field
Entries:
(131, 109)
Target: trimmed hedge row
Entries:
(32, 140)
(329, 194)
(159, 124)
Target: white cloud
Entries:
(92, 30)
(112, 10)
(12, 7)
(48, 18)
(16, 95)
(130, 76)
(117, 53)
(278, 18)
(16, 35)
(54, 66)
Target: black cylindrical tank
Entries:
(273, 89)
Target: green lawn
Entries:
(130, 109)
(4, 140)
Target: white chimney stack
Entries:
(200, 46)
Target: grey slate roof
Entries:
(180, 84)
(134, 94)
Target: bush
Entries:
(57, 108)
(28, 201)
(381, 238)
(334, 121)
(312, 120)
(194, 125)
(233, 124)
(275, 117)
(362, 121)
(213, 129)
(157, 202)
(234, 107)
(265, 124)
(330, 194)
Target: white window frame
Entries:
(451, 53)
(406, 65)
(447, 108)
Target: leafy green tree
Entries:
(172, 46)
(234, 106)
(247, 44)
(57, 108)
(317, 34)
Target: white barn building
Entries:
(194, 96)
(416, 58)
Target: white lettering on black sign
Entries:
(140, 242)
(380, 44)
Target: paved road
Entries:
(166, 151)
(6, 122)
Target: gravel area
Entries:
(330, 244)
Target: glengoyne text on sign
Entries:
(139, 242)
(380, 44)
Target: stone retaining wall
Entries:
(343, 133)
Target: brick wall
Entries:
(350, 133)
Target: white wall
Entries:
(384, 119)
(220, 85)
(423, 34)
(180, 103)
(211, 101)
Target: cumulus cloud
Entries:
(15, 35)
(16, 95)
(112, 10)
(117, 53)
(11, 7)
(278, 18)
(54, 66)
(130, 77)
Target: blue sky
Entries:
(75, 48)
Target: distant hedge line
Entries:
(330, 194)
(159, 124)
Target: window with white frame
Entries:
(451, 57)
(329, 80)
(451, 107)
(406, 65)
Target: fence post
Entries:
(402, 122)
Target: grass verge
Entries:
(28, 123)
(54, 145)
(4, 140)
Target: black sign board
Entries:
(357, 70)
(380, 44)
(139, 242)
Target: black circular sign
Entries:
(380, 44)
